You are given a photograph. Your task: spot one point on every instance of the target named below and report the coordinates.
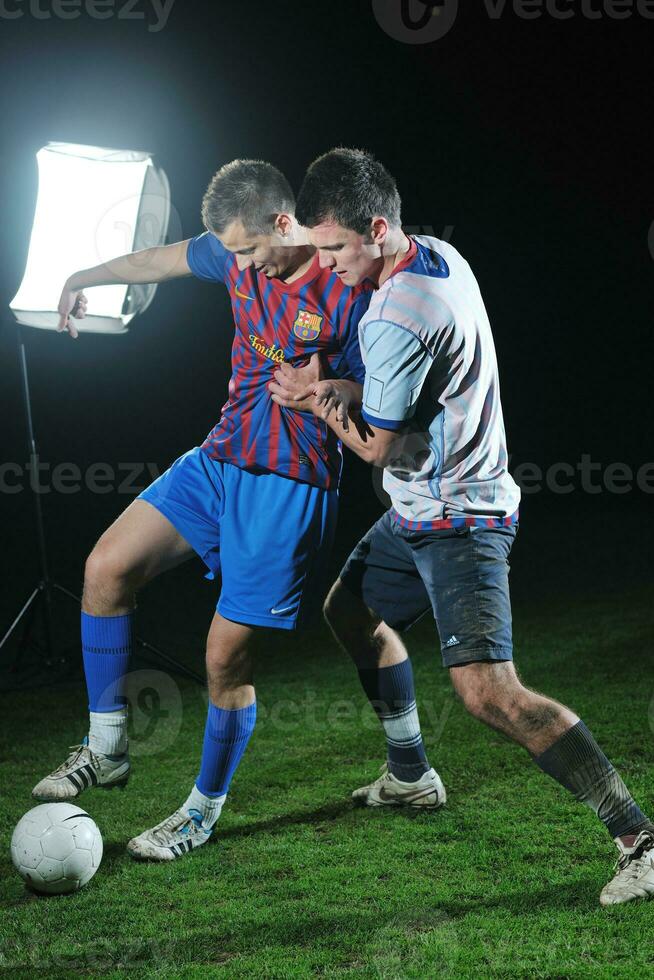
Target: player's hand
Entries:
(320, 397)
(300, 378)
(294, 387)
(334, 396)
(73, 303)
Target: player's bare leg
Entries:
(230, 721)
(386, 676)
(360, 632)
(493, 693)
(138, 546)
(229, 663)
(561, 745)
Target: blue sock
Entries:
(226, 736)
(106, 648)
(392, 695)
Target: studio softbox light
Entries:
(93, 204)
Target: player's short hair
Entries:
(250, 190)
(349, 187)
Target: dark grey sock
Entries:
(577, 762)
(392, 695)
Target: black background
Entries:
(531, 139)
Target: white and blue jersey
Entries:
(431, 370)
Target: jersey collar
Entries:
(279, 285)
(408, 258)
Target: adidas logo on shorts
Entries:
(453, 642)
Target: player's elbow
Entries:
(378, 449)
(377, 452)
(375, 455)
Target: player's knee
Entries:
(346, 615)
(473, 702)
(106, 573)
(490, 692)
(330, 605)
(227, 668)
(334, 609)
(470, 687)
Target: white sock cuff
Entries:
(108, 731)
(109, 719)
(208, 806)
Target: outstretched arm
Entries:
(148, 265)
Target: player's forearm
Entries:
(372, 445)
(356, 437)
(145, 266)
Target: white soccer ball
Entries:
(56, 848)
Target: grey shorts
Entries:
(461, 574)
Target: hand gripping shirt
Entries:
(431, 370)
(278, 322)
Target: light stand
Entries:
(41, 595)
(88, 198)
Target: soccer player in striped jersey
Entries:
(256, 501)
(431, 416)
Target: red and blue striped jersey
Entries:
(280, 322)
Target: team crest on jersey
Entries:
(307, 326)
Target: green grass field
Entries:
(503, 882)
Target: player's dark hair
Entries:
(349, 187)
(250, 190)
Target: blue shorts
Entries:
(268, 536)
(461, 574)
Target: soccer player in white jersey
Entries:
(431, 415)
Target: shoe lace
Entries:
(633, 864)
(383, 769)
(76, 751)
(178, 821)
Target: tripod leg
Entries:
(44, 585)
(46, 614)
(27, 607)
(27, 613)
(175, 665)
(149, 648)
(66, 592)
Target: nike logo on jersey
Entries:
(241, 295)
(278, 612)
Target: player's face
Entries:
(347, 253)
(265, 252)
